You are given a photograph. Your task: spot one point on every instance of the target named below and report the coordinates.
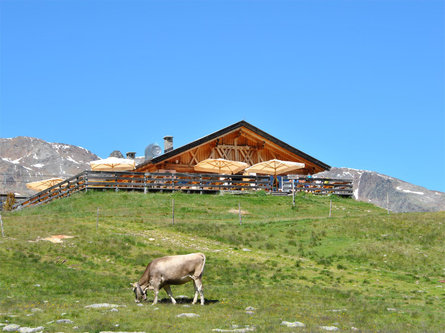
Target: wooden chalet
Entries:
(174, 170)
(239, 142)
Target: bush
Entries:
(10, 202)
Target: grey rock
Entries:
(238, 330)
(187, 315)
(101, 306)
(329, 328)
(11, 328)
(64, 321)
(116, 153)
(31, 329)
(293, 324)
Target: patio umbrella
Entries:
(113, 164)
(43, 184)
(220, 165)
(275, 167)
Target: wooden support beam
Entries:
(194, 158)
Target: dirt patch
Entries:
(236, 211)
(57, 239)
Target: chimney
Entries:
(131, 155)
(168, 143)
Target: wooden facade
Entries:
(239, 142)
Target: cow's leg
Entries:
(196, 293)
(169, 292)
(198, 283)
(156, 291)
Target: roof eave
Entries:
(226, 130)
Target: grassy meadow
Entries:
(359, 270)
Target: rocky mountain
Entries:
(25, 159)
(385, 191)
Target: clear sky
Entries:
(357, 84)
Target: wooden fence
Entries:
(323, 186)
(185, 182)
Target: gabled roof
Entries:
(227, 130)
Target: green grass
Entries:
(346, 271)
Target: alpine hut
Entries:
(238, 142)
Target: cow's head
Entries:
(139, 293)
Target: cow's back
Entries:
(178, 269)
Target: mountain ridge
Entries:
(25, 159)
(388, 192)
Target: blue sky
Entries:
(357, 84)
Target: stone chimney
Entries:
(131, 155)
(168, 143)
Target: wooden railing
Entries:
(147, 182)
(186, 182)
(323, 186)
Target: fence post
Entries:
(97, 219)
(293, 192)
(1, 223)
(330, 207)
(173, 211)
(239, 213)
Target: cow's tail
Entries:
(203, 264)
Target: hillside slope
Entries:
(380, 190)
(25, 159)
(360, 269)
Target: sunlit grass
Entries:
(290, 263)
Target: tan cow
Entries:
(171, 270)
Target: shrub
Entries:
(10, 202)
(270, 246)
(340, 266)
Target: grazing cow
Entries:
(171, 270)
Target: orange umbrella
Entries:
(220, 165)
(43, 184)
(275, 167)
(113, 164)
